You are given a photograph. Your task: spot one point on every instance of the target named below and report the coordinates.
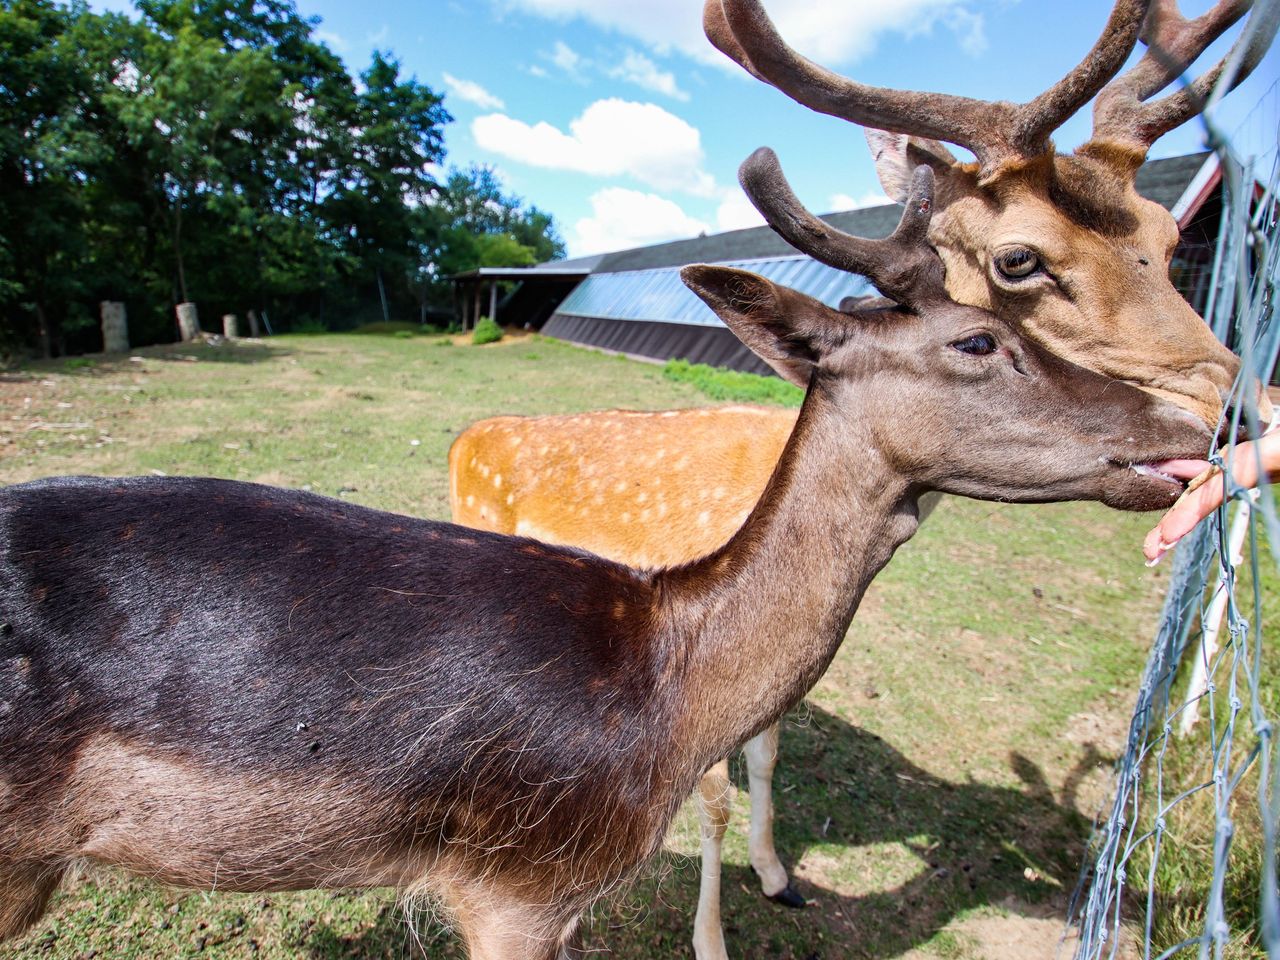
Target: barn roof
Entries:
(1163, 181)
(660, 294)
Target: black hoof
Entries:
(789, 897)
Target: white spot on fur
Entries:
(704, 518)
(497, 480)
(471, 500)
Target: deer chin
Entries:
(1150, 484)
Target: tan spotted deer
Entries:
(224, 685)
(1059, 245)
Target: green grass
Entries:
(937, 781)
(719, 383)
(1184, 870)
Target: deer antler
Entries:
(1173, 42)
(994, 130)
(902, 265)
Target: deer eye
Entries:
(979, 345)
(1017, 263)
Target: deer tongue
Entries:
(1180, 469)
(1175, 471)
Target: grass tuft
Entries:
(719, 383)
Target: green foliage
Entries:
(486, 331)
(719, 383)
(217, 151)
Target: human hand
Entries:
(1197, 504)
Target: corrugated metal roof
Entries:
(1163, 181)
(660, 295)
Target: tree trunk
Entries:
(46, 335)
(382, 294)
(177, 250)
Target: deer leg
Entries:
(715, 797)
(761, 752)
(25, 889)
(495, 927)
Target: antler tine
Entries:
(902, 265)
(742, 30)
(993, 130)
(1038, 118)
(1173, 44)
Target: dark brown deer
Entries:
(225, 685)
(1060, 246)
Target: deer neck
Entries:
(758, 621)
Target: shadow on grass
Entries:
(106, 364)
(968, 844)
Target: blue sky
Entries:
(619, 118)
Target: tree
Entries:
(472, 223)
(41, 87)
(399, 138)
(215, 150)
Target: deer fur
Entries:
(1103, 299)
(231, 686)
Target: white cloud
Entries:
(472, 92)
(611, 138)
(970, 29)
(843, 201)
(736, 212)
(381, 36)
(335, 41)
(622, 218)
(536, 71)
(566, 58)
(828, 33)
(638, 69)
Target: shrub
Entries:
(719, 383)
(486, 331)
(309, 325)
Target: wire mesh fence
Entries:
(1184, 862)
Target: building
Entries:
(633, 301)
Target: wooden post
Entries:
(188, 321)
(493, 300)
(230, 328)
(253, 324)
(115, 327)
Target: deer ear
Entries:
(784, 328)
(897, 155)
